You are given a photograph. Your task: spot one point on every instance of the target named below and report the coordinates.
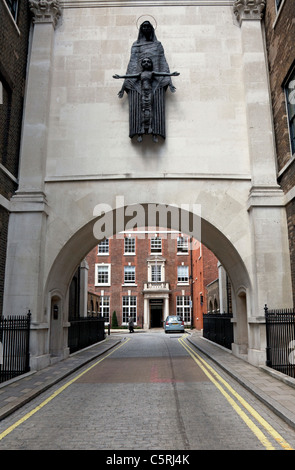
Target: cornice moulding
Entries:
(141, 3)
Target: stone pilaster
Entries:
(24, 288)
(249, 14)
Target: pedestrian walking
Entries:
(131, 325)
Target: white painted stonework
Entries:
(218, 158)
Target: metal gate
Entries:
(280, 339)
(218, 327)
(84, 332)
(14, 346)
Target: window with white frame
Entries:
(129, 308)
(182, 245)
(104, 307)
(278, 4)
(183, 308)
(102, 274)
(290, 98)
(156, 273)
(103, 247)
(129, 274)
(182, 274)
(13, 7)
(156, 245)
(129, 246)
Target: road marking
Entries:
(55, 394)
(208, 370)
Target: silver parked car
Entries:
(174, 323)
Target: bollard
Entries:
(109, 329)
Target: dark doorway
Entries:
(156, 306)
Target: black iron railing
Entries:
(84, 332)
(14, 346)
(218, 327)
(280, 340)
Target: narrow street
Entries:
(152, 392)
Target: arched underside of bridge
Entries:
(106, 225)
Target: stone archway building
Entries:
(78, 163)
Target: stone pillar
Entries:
(84, 268)
(260, 131)
(24, 282)
(166, 308)
(146, 313)
(271, 277)
(223, 307)
(34, 141)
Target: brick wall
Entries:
(291, 227)
(280, 40)
(3, 243)
(13, 61)
(205, 271)
(118, 260)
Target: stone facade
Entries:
(14, 34)
(217, 164)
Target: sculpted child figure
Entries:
(146, 81)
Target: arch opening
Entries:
(107, 224)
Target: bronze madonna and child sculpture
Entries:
(145, 82)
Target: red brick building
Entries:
(206, 285)
(149, 276)
(280, 40)
(15, 23)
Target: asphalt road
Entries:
(152, 392)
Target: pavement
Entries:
(274, 389)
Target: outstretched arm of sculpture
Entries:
(164, 74)
(121, 92)
(137, 75)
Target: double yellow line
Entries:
(56, 393)
(222, 385)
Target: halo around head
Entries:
(144, 18)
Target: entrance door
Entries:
(156, 307)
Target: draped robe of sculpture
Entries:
(151, 47)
